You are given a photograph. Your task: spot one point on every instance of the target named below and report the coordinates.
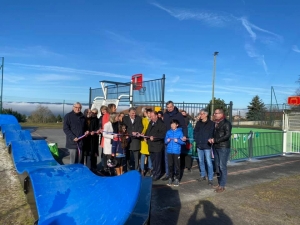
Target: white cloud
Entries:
(222, 20)
(296, 49)
(149, 61)
(228, 89)
(250, 27)
(195, 90)
(56, 77)
(10, 78)
(27, 108)
(29, 51)
(259, 58)
(228, 80)
(208, 17)
(70, 70)
(119, 38)
(140, 52)
(175, 79)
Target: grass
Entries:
(42, 125)
(236, 130)
(264, 142)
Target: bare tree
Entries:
(42, 114)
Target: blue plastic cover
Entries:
(141, 212)
(8, 119)
(16, 135)
(6, 127)
(31, 155)
(71, 194)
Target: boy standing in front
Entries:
(173, 140)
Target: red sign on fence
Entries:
(294, 100)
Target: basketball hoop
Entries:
(294, 100)
(137, 81)
(142, 90)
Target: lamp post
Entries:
(213, 85)
(2, 68)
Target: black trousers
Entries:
(185, 161)
(156, 163)
(93, 162)
(104, 160)
(133, 159)
(174, 165)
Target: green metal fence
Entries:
(254, 145)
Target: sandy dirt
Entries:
(13, 208)
(274, 202)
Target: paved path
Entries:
(182, 205)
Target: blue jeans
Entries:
(221, 157)
(143, 162)
(207, 153)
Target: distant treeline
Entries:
(20, 117)
(40, 115)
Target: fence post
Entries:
(284, 142)
(250, 145)
(163, 92)
(90, 98)
(230, 111)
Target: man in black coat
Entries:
(134, 127)
(94, 139)
(156, 133)
(221, 142)
(74, 127)
(173, 113)
(204, 130)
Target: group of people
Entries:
(150, 143)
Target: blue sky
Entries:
(56, 50)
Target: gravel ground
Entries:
(13, 208)
(264, 192)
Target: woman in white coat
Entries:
(108, 137)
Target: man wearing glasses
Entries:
(221, 142)
(75, 127)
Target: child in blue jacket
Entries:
(174, 142)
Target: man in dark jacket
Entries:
(134, 127)
(94, 139)
(204, 130)
(156, 132)
(74, 127)
(221, 142)
(173, 113)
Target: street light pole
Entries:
(2, 68)
(213, 84)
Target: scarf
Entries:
(218, 121)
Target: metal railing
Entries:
(245, 146)
(292, 142)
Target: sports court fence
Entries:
(292, 140)
(255, 145)
(193, 109)
(247, 146)
(151, 92)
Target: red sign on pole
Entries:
(294, 100)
